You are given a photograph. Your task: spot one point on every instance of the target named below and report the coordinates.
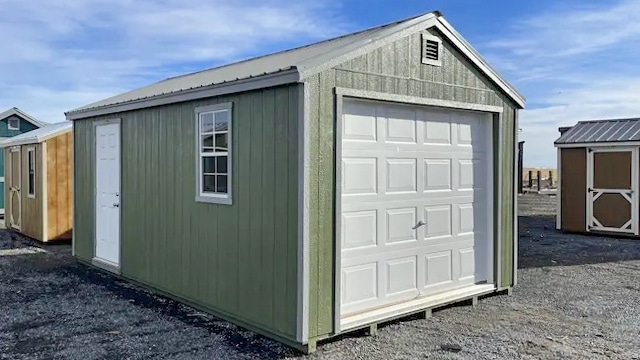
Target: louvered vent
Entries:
(431, 49)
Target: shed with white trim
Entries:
(598, 177)
(313, 191)
(38, 171)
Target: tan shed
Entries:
(598, 177)
(38, 187)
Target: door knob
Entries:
(419, 224)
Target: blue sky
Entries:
(572, 59)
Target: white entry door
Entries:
(416, 216)
(108, 193)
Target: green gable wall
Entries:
(395, 69)
(238, 261)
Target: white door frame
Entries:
(15, 149)
(96, 261)
(495, 248)
(629, 195)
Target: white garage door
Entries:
(415, 209)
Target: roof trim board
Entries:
(39, 135)
(301, 67)
(17, 112)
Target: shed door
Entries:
(108, 193)
(612, 190)
(415, 211)
(15, 180)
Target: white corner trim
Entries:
(303, 214)
(43, 197)
(414, 100)
(516, 179)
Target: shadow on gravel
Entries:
(246, 342)
(541, 245)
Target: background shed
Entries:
(39, 184)
(598, 177)
(13, 122)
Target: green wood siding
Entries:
(396, 69)
(239, 261)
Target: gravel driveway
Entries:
(577, 298)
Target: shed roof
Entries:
(295, 64)
(601, 131)
(38, 135)
(15, 111)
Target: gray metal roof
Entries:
(302, 61)
(15, 111)
(38, 135)
(602, 131)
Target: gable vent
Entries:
(431, 50)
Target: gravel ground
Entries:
(576, 299)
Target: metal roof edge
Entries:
(462, 44)
(17, 141)
(314, 66)
(259, 82)
(15, 111)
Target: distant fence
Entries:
(539, 180)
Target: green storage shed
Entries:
(313, 191)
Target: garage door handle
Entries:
(419, 224)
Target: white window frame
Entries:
(201, 196)
(30, 160)
(429, 37)
(13, 127)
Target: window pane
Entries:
(207, 143)
(208, 183)
(222, 121)
(209, 165)
(206, 122)
(222, 165)
(32, 184)
(221, 142)
(222, 184)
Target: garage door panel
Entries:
(401, 225)
(359, 122)
(416, 206)
(359, 176)
(359, 229)
(401, 175)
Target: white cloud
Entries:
(573, 62)
(67, 54)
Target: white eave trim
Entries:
(34, 140)
(23, 115)
(599, 144)
(453, 36)
(259, 82)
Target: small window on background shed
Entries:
(13, 123)
(31, 154)
(431, 50)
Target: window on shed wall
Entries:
(31, 166)
(213, 125)
(13, 123)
